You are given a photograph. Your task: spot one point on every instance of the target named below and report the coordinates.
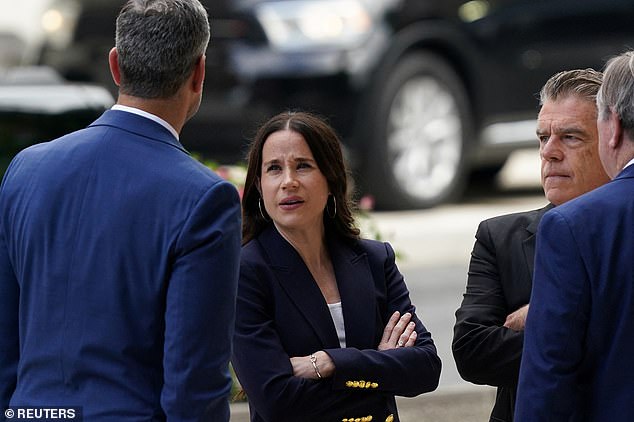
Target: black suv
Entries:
(423, 92)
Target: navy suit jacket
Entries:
(499, 282)
(579, 338)
(281, 313)
(119, 258)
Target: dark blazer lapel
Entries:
(528, 244)
(139, 125)
(295, 279)
(357, 291)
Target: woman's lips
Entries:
(289, 204)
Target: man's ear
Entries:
(198, 76)
(113, 61)
(617, 130)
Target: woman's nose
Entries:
(289, 181)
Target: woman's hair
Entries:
(158, 44)
(617, 90)
(326, 149)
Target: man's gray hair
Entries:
(158, 43)
(617, 91)
(580, 83)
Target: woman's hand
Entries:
(399, 332)
(303, 366)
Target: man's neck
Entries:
(629, 163)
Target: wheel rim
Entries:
(424, 138)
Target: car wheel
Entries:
(419, 127)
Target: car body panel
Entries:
(503, 51)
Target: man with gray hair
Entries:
(578, 343)
(118, 251)
(489, 330)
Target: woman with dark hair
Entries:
(325, 329)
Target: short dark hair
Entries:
(326, 149)
(158, 44)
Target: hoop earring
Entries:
(260, 208)
(334, 213)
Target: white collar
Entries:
(147, 115)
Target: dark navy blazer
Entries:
(281, 313)
(579, 338)
(119, 260)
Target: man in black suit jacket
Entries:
(489, 330)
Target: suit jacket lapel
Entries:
(354, 280)
(295, 279)
(356, 287)
(529, 243)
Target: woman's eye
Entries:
(303, 166)
(273, 167)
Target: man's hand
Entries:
(517, 320)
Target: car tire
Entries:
(419, 127)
